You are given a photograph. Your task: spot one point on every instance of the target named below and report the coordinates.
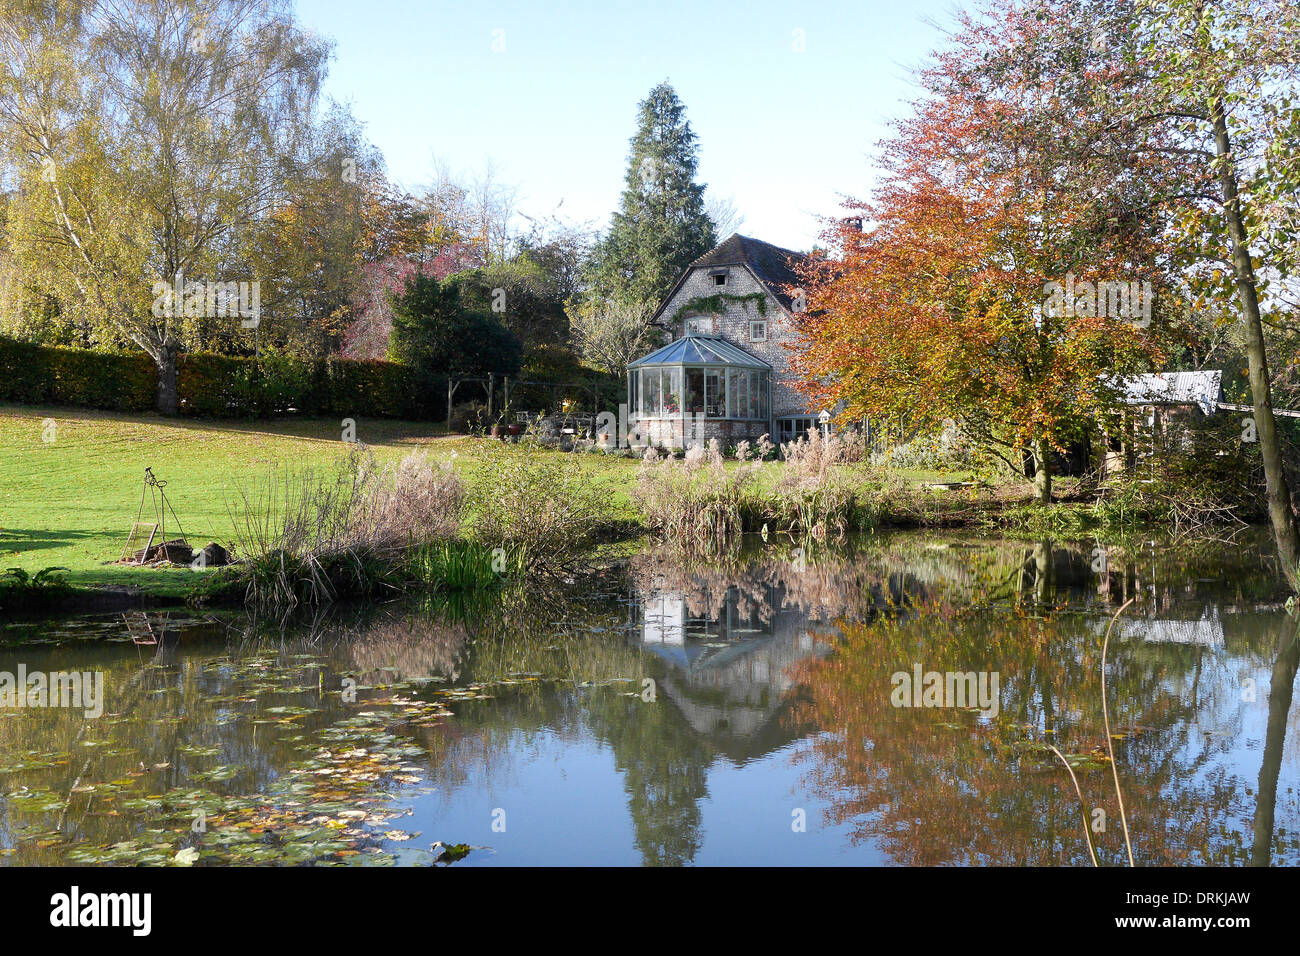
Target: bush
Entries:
(33, 374)
(541, 509)
(698, 504)
(220, 386)
(312, 539)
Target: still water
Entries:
(738, 711)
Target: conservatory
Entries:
(699, 388)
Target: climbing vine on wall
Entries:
(718, 303)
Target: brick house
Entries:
(725, 375)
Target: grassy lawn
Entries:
(70, 502)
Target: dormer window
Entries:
(719, 277)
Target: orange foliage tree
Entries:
(943, 309)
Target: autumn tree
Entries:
(1200, 95)
(145, 136)
(951, 305)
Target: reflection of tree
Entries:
(938, 786)
(665, 765)
(1279, 706)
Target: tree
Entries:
(146, 137)
(1201, 94)
(437, 332)
(608, 335)
(661, 225)
(951, 305)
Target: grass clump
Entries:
(541, 510)
(698, 503)
(309, 539)
(19, 589)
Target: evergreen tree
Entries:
(661, 225)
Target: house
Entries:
(724, 375)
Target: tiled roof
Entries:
(773, 266)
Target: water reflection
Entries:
(679, 712)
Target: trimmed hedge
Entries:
(218, 386)
(48, 375)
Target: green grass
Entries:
(70, 502)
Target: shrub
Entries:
(540, 508)
(698, 504)
(218, 385)
(41, 374)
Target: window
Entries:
(758, 330)
(715, 399)
(719, 278)
(694, 391)
(699, 325)
(672, 391)
(650, 392)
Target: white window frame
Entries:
(699, 324)
(752, 336)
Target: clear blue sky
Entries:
(781, 132)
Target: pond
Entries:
(757, 708)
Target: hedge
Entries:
(218, 385)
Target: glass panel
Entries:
(633, 393)
(694, 391)
(650, 385)
(753, 395)
(742, 394)
(715, 399)
(733, 388)
(764, 384)
(672, 391)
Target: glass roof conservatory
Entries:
(700, 375)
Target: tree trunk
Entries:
(1043, 472)
(168, 400)
(1278, 493)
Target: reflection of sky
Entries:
(565, 805)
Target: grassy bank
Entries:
(69, 493)
(70, 501)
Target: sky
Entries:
(788, 100)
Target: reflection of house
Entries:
(729, 670)
(1206, 631)
(733, 312)
(1161, 414)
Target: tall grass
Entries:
(697, 503)
(303, 537)
(702, 504)
(540, 508)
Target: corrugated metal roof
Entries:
(1174, 388)
(695, 349)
